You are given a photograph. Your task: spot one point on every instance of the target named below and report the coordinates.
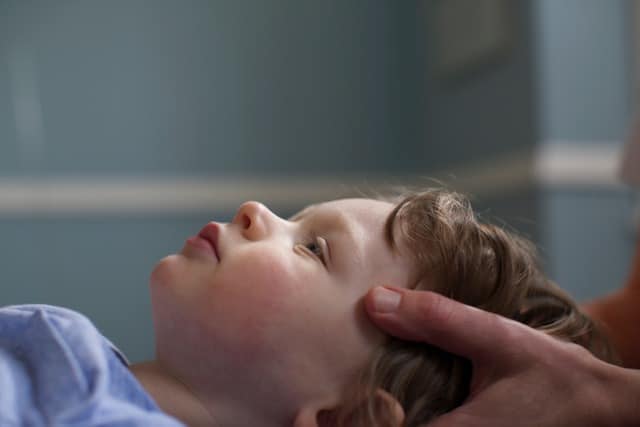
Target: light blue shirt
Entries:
(56, 369)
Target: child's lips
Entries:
(210, 234)
(206, 241)
(201, 244)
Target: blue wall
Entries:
(583, 63)
(584, 87)
(213, 87)
(486, 112)
(567, 79)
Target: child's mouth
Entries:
(209, 234)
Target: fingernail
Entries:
(385, 300)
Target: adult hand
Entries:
(619, 316)
(520, 376)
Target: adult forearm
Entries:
(619, 316)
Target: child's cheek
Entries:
(264, 271)
(259, 297)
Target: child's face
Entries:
(270, 307)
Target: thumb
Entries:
(445, 323)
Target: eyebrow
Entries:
(335, 222)
(302, 213)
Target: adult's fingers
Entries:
(440, 321)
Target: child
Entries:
(260, 322)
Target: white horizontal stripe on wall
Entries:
(573, 165)
(566, 165)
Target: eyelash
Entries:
(319, 252)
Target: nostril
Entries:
(250, 218)
(246, 221)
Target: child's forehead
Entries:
(349, 206)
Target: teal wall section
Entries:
(583, 59)
(584, 81)
(487, 111)
(214, 87)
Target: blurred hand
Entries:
(619, 316)
(521, 376)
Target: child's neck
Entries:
(171, 395)
(178, 400)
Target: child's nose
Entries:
(255, 220)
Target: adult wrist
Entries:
(621, 390)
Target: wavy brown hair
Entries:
(472, 262)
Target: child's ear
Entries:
(318, 416)
(384, 398)
(313, 417)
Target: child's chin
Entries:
(166, 271)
